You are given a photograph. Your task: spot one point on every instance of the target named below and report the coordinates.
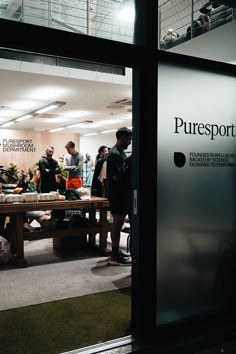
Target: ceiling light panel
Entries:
(27, 116)
(7, 124)
(56, 130)
(45, 109)
(50, 107)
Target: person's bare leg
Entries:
(118, 221)
(116, 258)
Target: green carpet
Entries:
(59, 326)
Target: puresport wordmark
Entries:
(203, 129)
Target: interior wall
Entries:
(91, 144)
(25, 148)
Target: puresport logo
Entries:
(212, 130)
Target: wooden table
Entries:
(17, 214)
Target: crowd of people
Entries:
(108, 176)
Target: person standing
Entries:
(2, 216)
(88, 169)
(103, 150)
(117, 192)
(98, 182)
(48, 168)
(73, 163)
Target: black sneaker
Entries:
(119, 260)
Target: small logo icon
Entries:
(179, 159)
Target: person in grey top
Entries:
(73, 163)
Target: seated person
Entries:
(26, 184)
(200, 26)
(170, 37)
(36, 180)
(42, 217)
(60, 184)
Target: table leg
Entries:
(19, 230)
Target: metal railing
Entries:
(182, 20)
(99, 18)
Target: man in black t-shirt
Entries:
(117, 192)
(48, 169)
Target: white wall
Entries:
(218, 44)
(92, 143)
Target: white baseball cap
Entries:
(84, 193)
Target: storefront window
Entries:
(68, 278)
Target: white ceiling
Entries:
(23, 92)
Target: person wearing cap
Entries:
(73, 163)
(117, 193)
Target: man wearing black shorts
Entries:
(117, 192)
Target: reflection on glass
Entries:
(111, 19)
